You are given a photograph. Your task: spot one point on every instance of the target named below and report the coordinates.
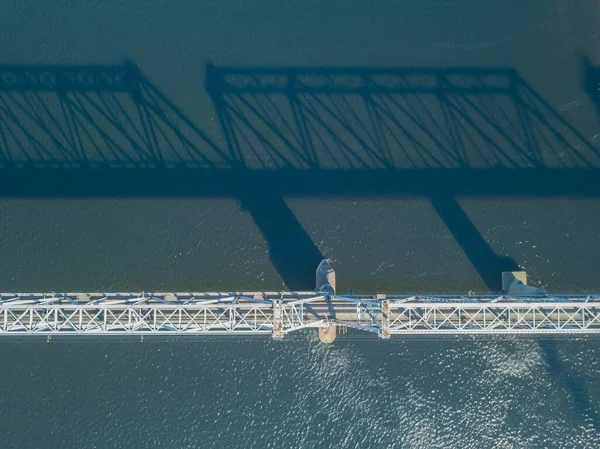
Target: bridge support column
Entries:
(325, 282)
(325, 279)
(515, 283)
(385, 320)
(327, 333)
(277, 320)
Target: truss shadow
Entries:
(392, 118)
(438, 133)
(434, 132)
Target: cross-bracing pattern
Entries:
(141, 313)
(495, 318)
(73, 117)
(341, 118)
(278, 313)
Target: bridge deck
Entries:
(278, 313)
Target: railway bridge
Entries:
(442, 134)
(521, 309)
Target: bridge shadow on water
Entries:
(433, 132)
(399, 132)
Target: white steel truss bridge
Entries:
(279, 313)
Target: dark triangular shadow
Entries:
(488, 264)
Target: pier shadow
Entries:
(487, 263)
(291, 250)
(438, 133)
(591, 81)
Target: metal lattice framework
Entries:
(278, 313)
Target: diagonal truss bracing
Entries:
(278, 313)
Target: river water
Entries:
(458, 236)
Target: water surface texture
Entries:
(197, 145)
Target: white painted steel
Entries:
(278, 313)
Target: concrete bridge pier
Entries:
(325, 282)
(325, 279)
(515, 283)
(327, 333)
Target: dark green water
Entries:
(378, 180)
(415, 393)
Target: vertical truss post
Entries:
(277, 320)
(385, 320)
